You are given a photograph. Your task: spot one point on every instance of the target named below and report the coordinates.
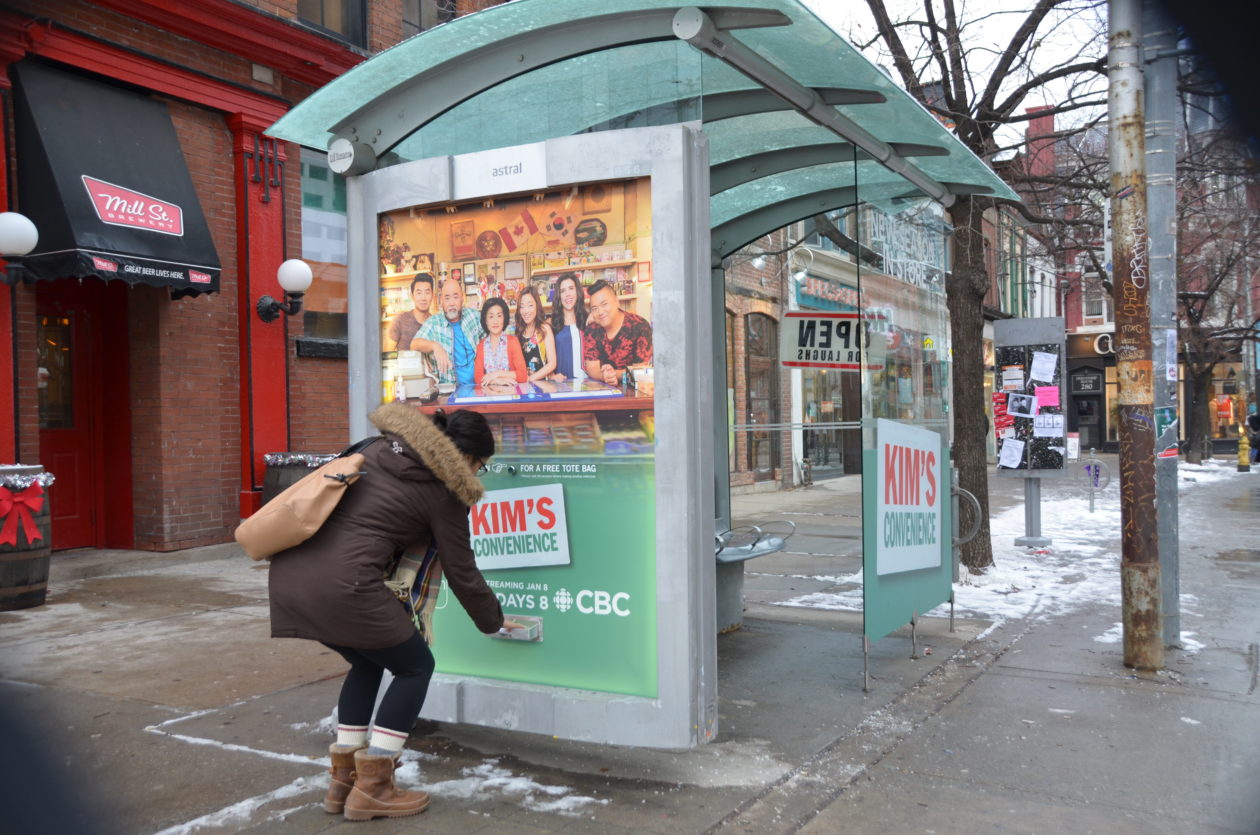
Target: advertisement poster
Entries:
(908, 509)
(536, 311)
(906, 530)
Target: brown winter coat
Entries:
(416, 487)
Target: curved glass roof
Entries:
(531, 70)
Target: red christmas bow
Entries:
(15, 506)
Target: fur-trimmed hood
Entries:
(436, 450)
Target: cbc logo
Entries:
(590, 602)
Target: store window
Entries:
(345, 19)
(763, 395)
(419, 15)
(324, 307)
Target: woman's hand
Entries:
(512, 624)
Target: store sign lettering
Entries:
(119, 206)
(104, 265)
(830, 291)
(521, 527)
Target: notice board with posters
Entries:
(907, 537)
(1029, 419)
(561, 295)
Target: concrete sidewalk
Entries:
(156, 674)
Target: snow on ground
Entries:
(489, 779)
(1081, 567)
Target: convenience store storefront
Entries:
(467, 152)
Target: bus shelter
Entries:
(622, 150)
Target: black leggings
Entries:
(411, 663)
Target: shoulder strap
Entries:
(359, 446)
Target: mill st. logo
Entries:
(120, 206)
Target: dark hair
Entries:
(468, 430)
(599, 285)
(538, 312)
(557, 309)
(495, 302)
(423, 278)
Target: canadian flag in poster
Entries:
(515, 234)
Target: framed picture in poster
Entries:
(422, 262)
(463, 239)
(596, 199)
(514, 269)
(457, 273)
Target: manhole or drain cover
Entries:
(1239, 555)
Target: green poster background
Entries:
(889, 601)
(612, 540)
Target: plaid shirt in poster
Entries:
(437, 329)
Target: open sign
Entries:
(812, 339)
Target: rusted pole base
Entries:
(1143, 627)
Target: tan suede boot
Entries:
(340, 777)
(374, 794)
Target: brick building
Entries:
(135, 368)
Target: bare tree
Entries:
(982, 87)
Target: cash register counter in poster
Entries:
(566, 533)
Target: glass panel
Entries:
(56, 373)
(642, 85)
(905, 301)
(324, 247)
(621, 86)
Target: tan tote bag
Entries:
(293, 516)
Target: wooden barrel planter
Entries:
(284, 469)
(24, 561)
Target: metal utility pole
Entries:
(1160, 38)
(1139, 556)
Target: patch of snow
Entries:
(1190, 721)
(231, 746)
(237, 813)
(1061, 710)
(1189, 644)
(1081, 568)
(1214, 469)
(1112, 635)
(482, 781)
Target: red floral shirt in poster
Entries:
(632, 345)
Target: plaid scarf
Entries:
(416, 583)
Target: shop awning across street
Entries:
(798, 121)
(105, 182)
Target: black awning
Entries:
(101, 173)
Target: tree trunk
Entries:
(1198, 414)
(964, 294)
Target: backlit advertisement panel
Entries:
(536, 310)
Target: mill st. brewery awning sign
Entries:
(813, 339)
(101, 174)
